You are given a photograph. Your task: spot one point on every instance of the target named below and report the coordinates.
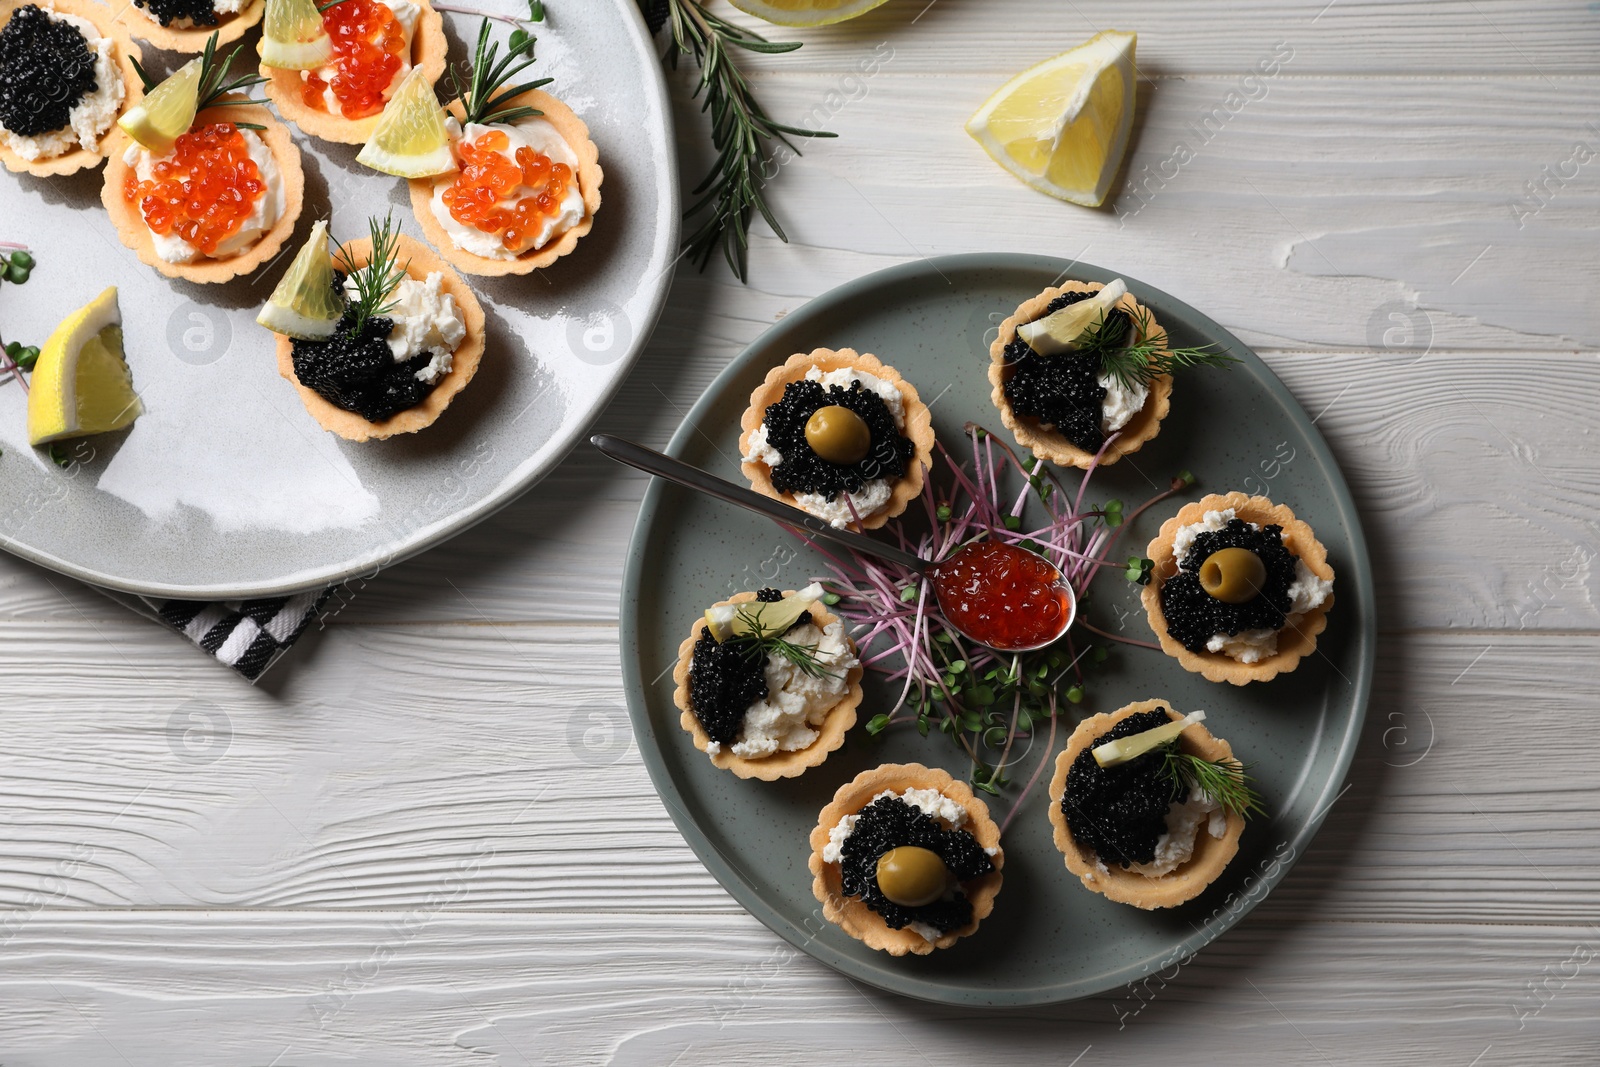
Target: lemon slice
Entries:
(167, 113)
(293, 37)
(1059, 331)
(305, 304)
(81, 385)
(410, 139)
(1124, 749)
(735, 620)
(806, 12)
(1062, 126)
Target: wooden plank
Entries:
(135, 774)
(1476, 37)
(433, 986)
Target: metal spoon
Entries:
(673, 470)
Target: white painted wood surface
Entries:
(420, 840)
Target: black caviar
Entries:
(802, 470)
(1120, 812)
(199, 12)
(45, 69)
(888, 823)
(1193, 615)
(725, 679)
(1061, 390)
(357, 372)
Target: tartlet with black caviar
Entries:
(410, 337)
(1239, 588)
(1064, 406)
(1140, 831)
(67, 72)
(838, 434)
(905, 859)
(768, 683)
(184, 25)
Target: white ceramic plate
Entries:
(227, 487)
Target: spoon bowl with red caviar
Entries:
(999, 595)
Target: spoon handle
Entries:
(663, 466)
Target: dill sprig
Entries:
(381, 275)
(762, 640)
(214, 82)
(1142, 361)
(1222, 780)
(741, 131)
(482, 97)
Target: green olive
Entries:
(912, 876)
(838, 435)
(1233, 575)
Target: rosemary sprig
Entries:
(762, 641)
(378, 279)
(214, 83)
(1222, 780)
(482, 97)
(741, 131)
(1143, 361)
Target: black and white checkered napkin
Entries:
(247, 635)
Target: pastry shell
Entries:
(125, 53)
(918, 424)
(1295, 641)
(188, 39)
(429, 49)
(860, 921)
(573, 131)
(1211, 854)
(136, 235)
(463, 365)
(830, 735)
(1052, 444)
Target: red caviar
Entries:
(1002, 595)
(203, 191)
(485, 192)
(368, 47)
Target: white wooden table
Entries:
(427, 837)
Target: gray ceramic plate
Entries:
(226, 486)
(1049, 939)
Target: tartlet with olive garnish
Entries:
(332, 70)
(380, 342)
(768, 683)
(1239, 588)
(522, 182)
(185, 25)
(838, 434)
(67, 71)
(1082, 374)
(906, 859)
(202, 182)
(1148, 805)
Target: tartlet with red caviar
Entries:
(375, 44)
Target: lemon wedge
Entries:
(166, 114)
(293, 37)
(761, 617)
(1062, 126)
(1059, 331)
(410, 140)
(806, 12)
(1124, 749)
(81, 385)
(305, 304)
